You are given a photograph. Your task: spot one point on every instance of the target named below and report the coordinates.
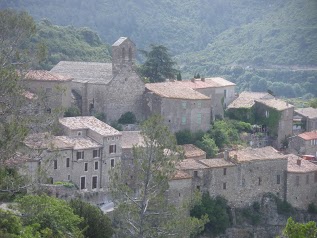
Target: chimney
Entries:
(203, 79)
(235, 157)
(299, 161)
(193, 80)
(226, 155)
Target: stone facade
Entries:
(84, 155)
(301, 182)
(113, 89)
(182, 108)
(308, 118)
(305, 143)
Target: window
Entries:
(112, 149)
(184, 105)
(48, 110)
(55, 164)
(267, 114)
(94, 182)
(278, 179)
(183, 120)
(224, 171)
(199, 118)
(95, 153)
(96, 165)
(80, 155)
(67, 162)
(307, 179)
(86, 167)
(224, 186)
(82, 182)
(198, 188)
(112, 163)
(78, 133)
(259, 180)
(225, 93)
(195, 174)
(297, 181)
(68, 177)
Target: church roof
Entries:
(120, 41)
(43, 75)
(91, 72)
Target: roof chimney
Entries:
(193, 80)
(299, 162)
(203, 79)
(226, 155)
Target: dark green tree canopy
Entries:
(158, 65)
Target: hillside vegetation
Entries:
(258, 44)
(69, 43)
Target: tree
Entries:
(51, 213)
(179, 76)
(216, 209)
(300, 230)
(208, 145)
(145, 212)
(95, 223)
(127, 118)
(313, 103)
(158, 65)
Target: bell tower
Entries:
(123, 55)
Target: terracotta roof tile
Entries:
(43, 75)
(250, 154)
(277, 104)
(205, 83)
(303, 167)
(307, 112)
(188, 164)
(310, 135)
(192, 151)
(174, 90)
(89, 122)
(214, 163)
(179, 174)
(131, 138)
(247, 99)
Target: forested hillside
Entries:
(259, 44)
(69, 43)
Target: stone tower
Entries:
(123, 55)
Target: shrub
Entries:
(312, 208)
(127, 118)
(72, 112)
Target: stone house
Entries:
(84, 155)
(181, 107)
(307, 118)
(220, 91)
(273, 116)
(53, 89)
(111, 88)
(301, 182)
(242, 176)
(305, 143)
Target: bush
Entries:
(100, 116)
(72, 112)
(127, 118)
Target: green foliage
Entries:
(68, 43)
(142, 209)
(300, 230)
(72, 112)
(9, 223)
(65, 184)
(208, 145)
(158, 65)
(95, 223)
(283, 207)
(50, 213)
(188, 137)
(127, 118)
(116, 126)
(313, 103)
(272, 121)
(101, 116)
(179, 76)
(217, 211)
(252, 214)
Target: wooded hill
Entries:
(256, 43)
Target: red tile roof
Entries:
(310, 135)
(43, 75)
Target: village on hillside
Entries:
(280, 156)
